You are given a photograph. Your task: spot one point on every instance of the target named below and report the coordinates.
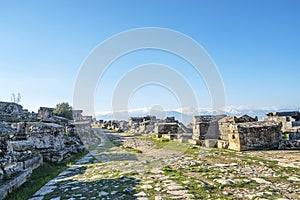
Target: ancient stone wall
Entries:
(254, 135)
(26, 142)
(289, 145)
(224, 124)
(45, 113)
(206, 126)
(16, 162)
(289, 120)
(165, 128)
(12, 112)
(10, 108)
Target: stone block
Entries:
(1, 174)
(211, 143)
(13, 183)
(33, 162)
(222, 144)
(22, 145)
(13, 168)
(289, 145)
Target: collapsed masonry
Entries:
(246, 133)
(290, 123)
(27, 139)
(290, 128)
(172, 129)
(167, 128)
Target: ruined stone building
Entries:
(290, 122)
(45, 113)
(77, 115)
(224, 126)
(26, 139)
(147, 125)
(88, 118)
(206, 127)
(143, 125)
(134, 123)
(13, 112)
(170, 128)
(254, 135)
(166, 129)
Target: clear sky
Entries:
(255, 45)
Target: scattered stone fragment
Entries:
(261, 181)
(146, 187)
(103, 193)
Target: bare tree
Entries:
(15, 98)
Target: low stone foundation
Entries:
(289, 145)
(223, 144)
(211, 143)
(17, 173)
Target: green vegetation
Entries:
(41, 176)
(63, 110)
(167, 144)
(285, 136)
(132, 150)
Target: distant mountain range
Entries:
(186, 115)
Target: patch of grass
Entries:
(132, 150)
(177, 146)
(194, 150)
(198, 169)
(169, 171)
(41, 176)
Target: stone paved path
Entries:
(175, 172)
(110, 172)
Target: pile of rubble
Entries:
(168, 128)
(27, 139)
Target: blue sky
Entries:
(255, 45)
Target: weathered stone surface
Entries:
(13, 183)
(12, 112)
(206, 126)
(289, 120)
(289, 144)
(222, 144)
(44, 113)
(261, 181)
(5, 130)
(45, 190)
(162, 128)
(224, 124)
(254, 135)
(10, 108)
(211, 143)
(1, 174)
(22, 145)
(13, 168)
(6, 153)
(224, 181)
(33, 162)
(294, 135)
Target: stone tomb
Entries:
(254, 135)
